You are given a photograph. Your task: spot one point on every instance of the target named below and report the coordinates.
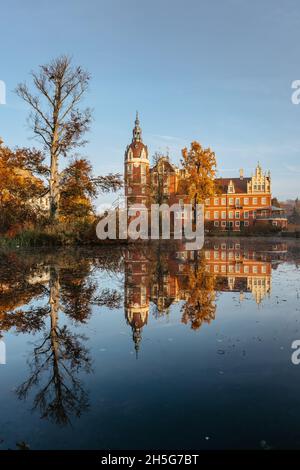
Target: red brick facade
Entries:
(238, 202)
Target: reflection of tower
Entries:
(137, 169)
(136, 293)
(260, 286)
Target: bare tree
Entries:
(55, 117)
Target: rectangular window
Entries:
(216, 255)
(237, 201)
(246, 269)
(264, 269)
(254, 200)
(237, 223)
(207, 201)
(223, 223)
(223, 268)
(216, 201)
(263, 200)
(230, 214)
(223, 201)
(237, 214)
(216, 223)
(246, 215)
(207, 215)
(216, 214)
(231, 201)
(246, 201)
(216, 268)
(207, 254)
(254, 269)
(223, 214)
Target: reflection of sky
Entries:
(219, 72)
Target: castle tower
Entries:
(137, 176)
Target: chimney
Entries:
(241, 174)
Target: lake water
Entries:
(151, 347)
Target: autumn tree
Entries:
(56, 118)
(77, 189)
(59, 123)
(19, 186)
(199, 166)
(79, 186)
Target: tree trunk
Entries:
(54, 187)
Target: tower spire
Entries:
(137, 131)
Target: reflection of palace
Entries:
(155, 276)
(239, 270)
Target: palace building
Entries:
(238, 202)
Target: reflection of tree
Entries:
(160, 272)
(200, 305)
(60, 356)
(56, 362)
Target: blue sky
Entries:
(217, 71)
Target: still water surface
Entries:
(151, 347)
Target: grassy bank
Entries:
(56, 234)
(83, 232)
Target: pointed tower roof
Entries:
(137, 131)
(137, 149)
